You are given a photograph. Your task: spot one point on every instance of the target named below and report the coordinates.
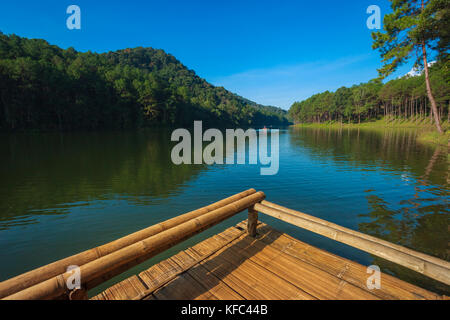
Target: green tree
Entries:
(408, 32)
(48, 88)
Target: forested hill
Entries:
(403, 98)
(45, 87)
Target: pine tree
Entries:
(410, 30)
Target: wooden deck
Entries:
(273, 266)
(248, 261)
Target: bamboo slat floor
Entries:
(234, 266)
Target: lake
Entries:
(64, 193)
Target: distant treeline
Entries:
(405, 97)
(45, 87)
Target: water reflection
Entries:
(50, 173)
(61, 194)
(420, 222)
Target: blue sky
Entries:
(272, 52)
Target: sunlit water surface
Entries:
(64, 193)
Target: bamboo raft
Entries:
(248, 261)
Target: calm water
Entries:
(64, 193)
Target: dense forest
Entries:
(44, 87)
(404, 97)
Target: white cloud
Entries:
(415, 71)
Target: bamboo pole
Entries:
(252, 221)
(429, 266)
(419, 255)
(134, 253)
(30, 278)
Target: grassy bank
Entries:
(434, 138)
(427, 130)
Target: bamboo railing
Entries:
(99, 264)
(422, 263)
(102, 263)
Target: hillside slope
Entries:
(45, 87)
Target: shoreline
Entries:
(427, 131)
